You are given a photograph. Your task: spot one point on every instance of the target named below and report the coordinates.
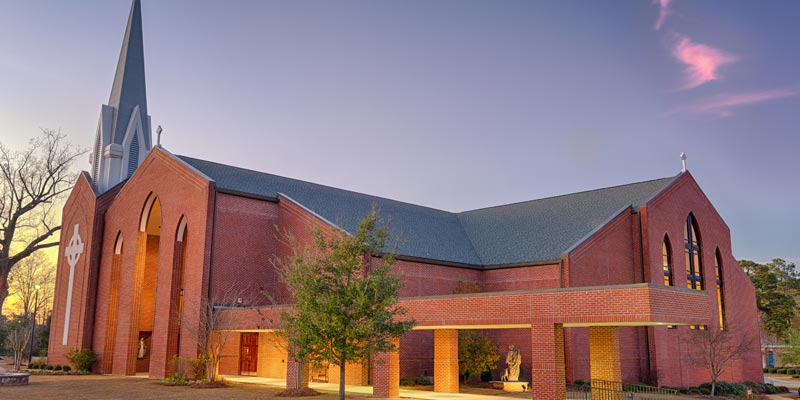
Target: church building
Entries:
(604, 284)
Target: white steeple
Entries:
(123, 131)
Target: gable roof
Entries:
(527, 232)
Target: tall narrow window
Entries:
(720, 294)
(666, 261)
(694, 267)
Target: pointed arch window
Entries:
(694, 265)
(720, 288)
(666, 261)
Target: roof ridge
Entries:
(565, 194)
(320, 184)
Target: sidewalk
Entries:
(404, 393)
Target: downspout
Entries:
(646, 329)
(213, 235)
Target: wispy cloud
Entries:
(663, 11)
(723, 105)
(701, 61)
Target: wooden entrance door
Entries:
(248, 354)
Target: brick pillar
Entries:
(445, 360)
(293, 368)
(111, 320)
(604, 362)
(547, 362)
(386, 373)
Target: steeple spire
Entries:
(123, 132)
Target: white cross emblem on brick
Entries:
(73, 253)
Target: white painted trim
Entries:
(146, 213)
(181, 229)
(118, 245)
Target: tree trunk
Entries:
(713, 387)
(341, 381)
(4, 270)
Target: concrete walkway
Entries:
(782, 380)
(404, 393)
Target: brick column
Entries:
(293, 368)
(547, 362)
(106, 367)
(386, 373)
(445, 360)
(604, 362)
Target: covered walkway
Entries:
(601, 309)
(404, 393)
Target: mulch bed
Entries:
(304, 392)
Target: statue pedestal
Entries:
(511, 386)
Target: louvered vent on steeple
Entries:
(133, 160)
(98, 154)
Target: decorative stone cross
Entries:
(73, 253)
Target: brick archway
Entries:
(144, 288)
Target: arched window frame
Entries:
(694, 255)
(720, 289)
(666, 261)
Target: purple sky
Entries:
(450, 104)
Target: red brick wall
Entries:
(521, 278)
(229, 355)
(244, 242)
(667, 214)
(420, 279)
(416, 353)
(607, 257)
(181, 193)
(80, 209)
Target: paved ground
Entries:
(783, 380)
(91, 387)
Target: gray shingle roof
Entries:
(527, 232)
(540, 230)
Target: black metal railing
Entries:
(610, 390)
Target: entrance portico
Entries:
(545, 312)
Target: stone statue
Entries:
(513, 361)
(142, 351)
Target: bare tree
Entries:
(715, 349)
(207, 322)
(17, 340)
(33, 182)
(23, 280)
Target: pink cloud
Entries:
(701, 61)
(663, 11)
(722, 105)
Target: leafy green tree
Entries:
(345, 297)
(476, 354)
(790, 355)
(777, 285)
